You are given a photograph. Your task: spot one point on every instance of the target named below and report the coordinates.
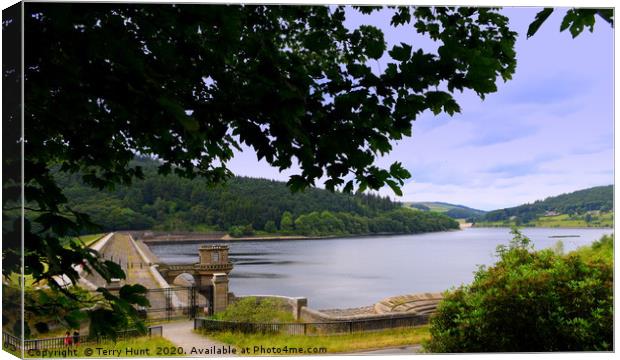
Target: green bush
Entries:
(529, 301)
(270, 226)
(602, 249)
(239, 231)
(251, 309)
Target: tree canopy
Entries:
(240, 206)
(190, 83)
(175, 203)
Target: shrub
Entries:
(529, 301)
(235, 231)
(270, 226)
(251, 309)
(602, 249)
(239, 231)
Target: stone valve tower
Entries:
(210, 274)
(214, 268)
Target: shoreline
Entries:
(227, 238)
(545, 227)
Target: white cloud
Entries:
(547, 131)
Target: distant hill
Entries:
(451, 210)
(578, 205)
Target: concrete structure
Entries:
(210, 274)
(414, 308)
(423, 304)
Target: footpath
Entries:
(131, 255)
(182, 334)
(123, 250)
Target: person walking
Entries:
(68, 339)
(76, 338)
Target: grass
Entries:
(13, 280)
(251, 309)
(438, 208)
(90, 239)
(346, 343)
(604, 219)
(564, 220)
(29, 281)
(142, 347)
(86, 239)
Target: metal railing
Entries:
(14, 342)
(175, 302)
(311, 328)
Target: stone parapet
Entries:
(309, 314)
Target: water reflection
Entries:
(253, 275)
(263, 262)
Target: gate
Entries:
(200, 298)
(177, 302)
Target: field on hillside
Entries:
(603, 219)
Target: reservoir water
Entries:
(351, 272)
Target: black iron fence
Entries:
(13, 342)
(177, 302)
(312, 328)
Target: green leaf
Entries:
(176, 110)
(401, 53)
(114, 269)
(134, 294)
(394, 186)
(297, 183)
(607, 15)
(398, 171)
(372, 41)
(540, 19)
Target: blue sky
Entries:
(547, 131)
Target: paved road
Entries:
(122, 251)
(401, 350)
(181, 334)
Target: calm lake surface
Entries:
(351, 272)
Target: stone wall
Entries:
(312, 315)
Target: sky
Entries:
(547, 131)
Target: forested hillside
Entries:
(242, 206)
(583, 204)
